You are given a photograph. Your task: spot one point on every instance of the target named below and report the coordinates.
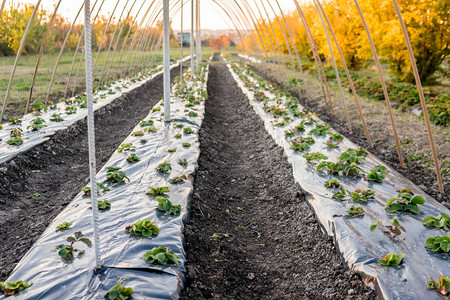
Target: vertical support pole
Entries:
(91, 130)
(383, 85)
(166, 58)
(191, 40)
(199, 34)
(197, 31)
(181, 47)
(22, 44)
(421, 95)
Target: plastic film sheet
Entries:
(34, 138)
(121, 252)
(359, 247)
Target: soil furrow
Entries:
(58, 169)
(252, 234)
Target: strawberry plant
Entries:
(186, 145)
(138, 133)
(70, 110)
(10, 288)
(193, 114)
(395, 229)
(279, 124)
(164, 167)
(133, 158)
(126, 147)
(16, 141)
(330, 144)
(178, 125)
(183, 162)
(332, 183)
(38, 106)
(143, 227)
(308, 140)
(377, 174)
(100, 188)
(118, 292)
(177, 136)
(314, 156)
(336, 137)
(15, 120)
(161, 256)
(362, 195)
(145, 123)
(156, 108)
(143, 141)
(289, 132)
(158, 191)
(187, 130)
(165, 205)
(172, 150)
(67, 251)
(341, 194)
(151, 129)
(331, 167)
(353, 156)
(63, 226)
(300, 127)
(103, 204)
(355, 211)
(36, 124)
(440, 221)
(114, 174)
(438, 243)
(260, 97)
(300, 147)
(319, 130)
(391, 259)
(442, 285)
(56, 118)
(178, 179)
(404, 201)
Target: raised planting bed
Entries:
(340, 179)
(22, 134)
(143, 196)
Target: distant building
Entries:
(186, 36)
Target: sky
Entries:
(212, 17)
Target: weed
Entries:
(67, 251)
(114, 174)
(440, 221)
(37, 194)
(143, 228)
(161, 256)
(164, 167)
(404, 201)
(438, 243)
(391, 259)
(118, 292)
(63, 226)
(13, 287)
(165, 205)
(133, 158)
(158, 191)
(332, 184)
(355, 211)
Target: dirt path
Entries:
(252, 234)
(58, 169)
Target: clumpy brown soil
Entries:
(252, 234)
(412, 132)
(58, 169)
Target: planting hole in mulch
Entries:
(37, 185)
(252, 234)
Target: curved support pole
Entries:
(41, 51)
(336, 72)
(50, 86)
(349, 78)
(2, 7)
(273, 33)
(266, 32)
(22, 44)
(421, 95)
(383, 84)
